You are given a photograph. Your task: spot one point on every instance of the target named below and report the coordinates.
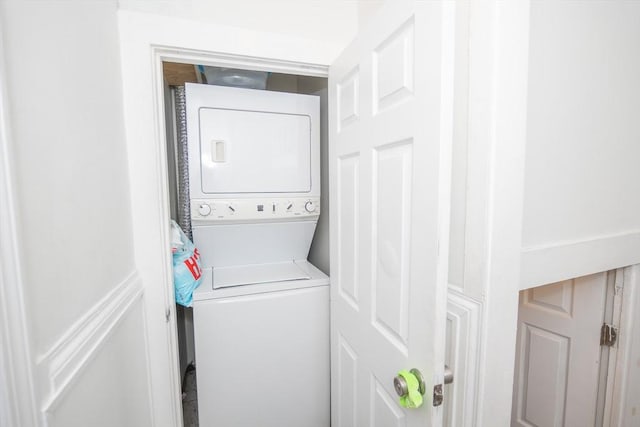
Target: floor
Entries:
(190, 400)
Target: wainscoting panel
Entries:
(99, 363)
(108, 389)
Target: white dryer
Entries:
(261, 313)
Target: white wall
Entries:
(70, 159)
(331, 22)
(70, 185)
(366, 10)
(582, 210)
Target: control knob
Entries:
(204, 209)
(310, 206)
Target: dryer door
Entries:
(254, 151)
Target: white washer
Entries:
(262, 354)
(261, 313)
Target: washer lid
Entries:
(206, 291)
(258, 273)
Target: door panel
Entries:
(558, 353)
(392, 228)
(389, 145)
(348, 214)
(385, 410)
(347, 367)
(393, 69)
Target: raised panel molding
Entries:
(391, 239)
(544, 359)
(393, 69)
(347, 383)
(556, 298)
(463, 357)
(348, 91)
(61, 365)
(385, 412)
(348, 226)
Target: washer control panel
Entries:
(215, 210)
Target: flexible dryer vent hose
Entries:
(184, 208)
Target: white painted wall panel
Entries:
(63, 78)
(308, 19)
(582, 178)
(79, 295)
(113, 388)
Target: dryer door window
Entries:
(254, 152)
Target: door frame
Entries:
(615, 301)
(160, 54)
(622, 368)
(147, 41)
(16, 358)
(498, 85)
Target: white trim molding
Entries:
(15, 351)
(62, 365)
(246, 62)
(566, 260)
(499, 52)
(463, 325)
(145, 42)
(622, 409)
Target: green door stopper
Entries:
(407, 385)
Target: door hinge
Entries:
(608, 335)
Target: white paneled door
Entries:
(390, 137)
(558, 353)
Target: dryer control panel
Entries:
(225, 210)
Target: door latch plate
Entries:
(608, 335)
(437, 395)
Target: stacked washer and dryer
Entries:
(261, 312)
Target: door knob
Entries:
(448, 375)
(400, 384)
(410, 386)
